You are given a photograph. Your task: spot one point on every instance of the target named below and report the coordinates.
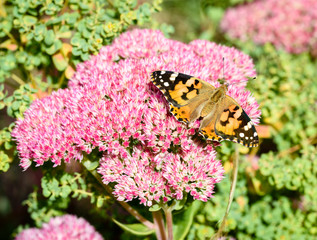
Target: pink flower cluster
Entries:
(153, 178)
(288, 24)
(67, 227)
(111, 105)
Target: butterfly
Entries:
(191, 98)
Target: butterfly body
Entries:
(191, 98)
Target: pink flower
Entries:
(153, 177)
(111, 105)
(288, 24)
(67, 227)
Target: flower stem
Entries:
(231, 194)
(136, 214)
(159, 225)
(169, 222)
(17, 79)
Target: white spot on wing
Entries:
(246, 128)
(166, 84)
(255, 134)
(241, 135)
(173, 76)
(162, 72)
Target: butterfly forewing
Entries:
(185, 94)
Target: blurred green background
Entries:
(276, 194)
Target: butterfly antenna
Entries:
(236, 83)
(223, 75)
(223, 68)
(223, 80)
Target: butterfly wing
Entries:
(189, 97)
(186, 94)
(207, 125)
(235, 125)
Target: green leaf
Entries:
(5, 26)
(49, 37)
(184, 220)
(154, 208)
(85, 56)
(29, 20)
(136, 229)
(2, 105)
(39, 32)
(76, 51)
(54, 48)
(179, 204)
(65, 191)
(60, 62)
(90, 165)
(4, 161)
(15, 105)
(100, 201)
(71, 18)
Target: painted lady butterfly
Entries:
(191, 98)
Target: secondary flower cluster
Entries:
(67, 227)
(111, 105)
(288, 24)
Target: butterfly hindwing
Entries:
(234, 124)
(209, 132)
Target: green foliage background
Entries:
(276, 194)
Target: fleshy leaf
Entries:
(60, 62)
(184, 220)
(136, 229)
(91, 165)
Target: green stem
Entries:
(136, 214)
(9, 35)
(33, 82)
(17, 79)
(126, 206)
(159, 223)
(61, 80)
(169, 222)
(231, 194)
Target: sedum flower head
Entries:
(67, 227)
(111, 105)
(162, 177)
(288, 24)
